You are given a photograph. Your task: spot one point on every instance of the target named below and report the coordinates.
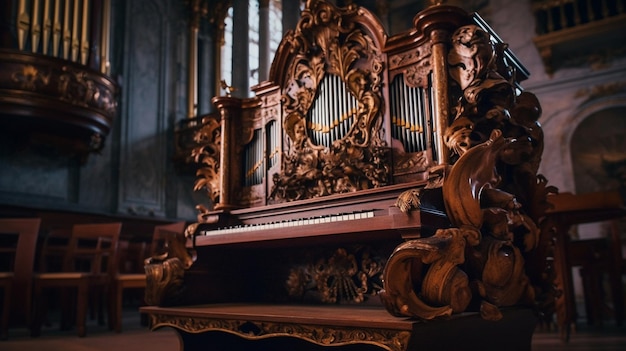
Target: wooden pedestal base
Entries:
(236, 327)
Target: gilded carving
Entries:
(390, 340)
(76, 87)
(407, 58)
(493, 198)
(207, 153)
(417, 75)
(30, 78)
(329, 41)
(346, 276)
(165, 271)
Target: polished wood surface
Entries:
(89, 265)
(386, 219)
(136, 336)
(342, 327)
(396, 172)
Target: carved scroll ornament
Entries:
(207, 153)
(493, 198)
(349, 275)
(165, 270)
(324, 45)
(323, 335)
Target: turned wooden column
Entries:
(437, 23)
(441, 119)
(229, 174)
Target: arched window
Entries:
(226, 71)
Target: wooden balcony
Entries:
(55, 84)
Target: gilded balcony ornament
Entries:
(30, 78)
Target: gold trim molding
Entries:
(73, 104)
(390, 340)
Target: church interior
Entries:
(313, 175)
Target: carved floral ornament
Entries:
(207, 153)
(493, 197)
(74, 86)
(323, 45)
(386, 339)
(348, 275)
(42, 87)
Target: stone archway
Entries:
(598, 149)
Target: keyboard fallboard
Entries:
(370, 214)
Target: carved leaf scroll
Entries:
(493, 197)
(331, 41)
(208, 139)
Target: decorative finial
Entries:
(227, 88)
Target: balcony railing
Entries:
(569, 29)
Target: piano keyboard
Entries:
(297, 222)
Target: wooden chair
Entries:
(597, 257)
(89, 266)
(125, 281)
(17, 254)
(600, 260)
(53, 250)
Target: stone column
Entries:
(291, 15)
(206, 71)
(241, 40)
(264, 40)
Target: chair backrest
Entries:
(93, 248)
(161, 232)
(53, 250)
(26, 231)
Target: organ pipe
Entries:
(84, 42)
(56, 29)
(47, 26)
(36, 27)
(23, 23)
(105, 65)
(64, 29)
(408, 107)
(75, 46)
(331, 115)
(67, 35)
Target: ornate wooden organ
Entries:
(370, 173)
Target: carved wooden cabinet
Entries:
(377, 193)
